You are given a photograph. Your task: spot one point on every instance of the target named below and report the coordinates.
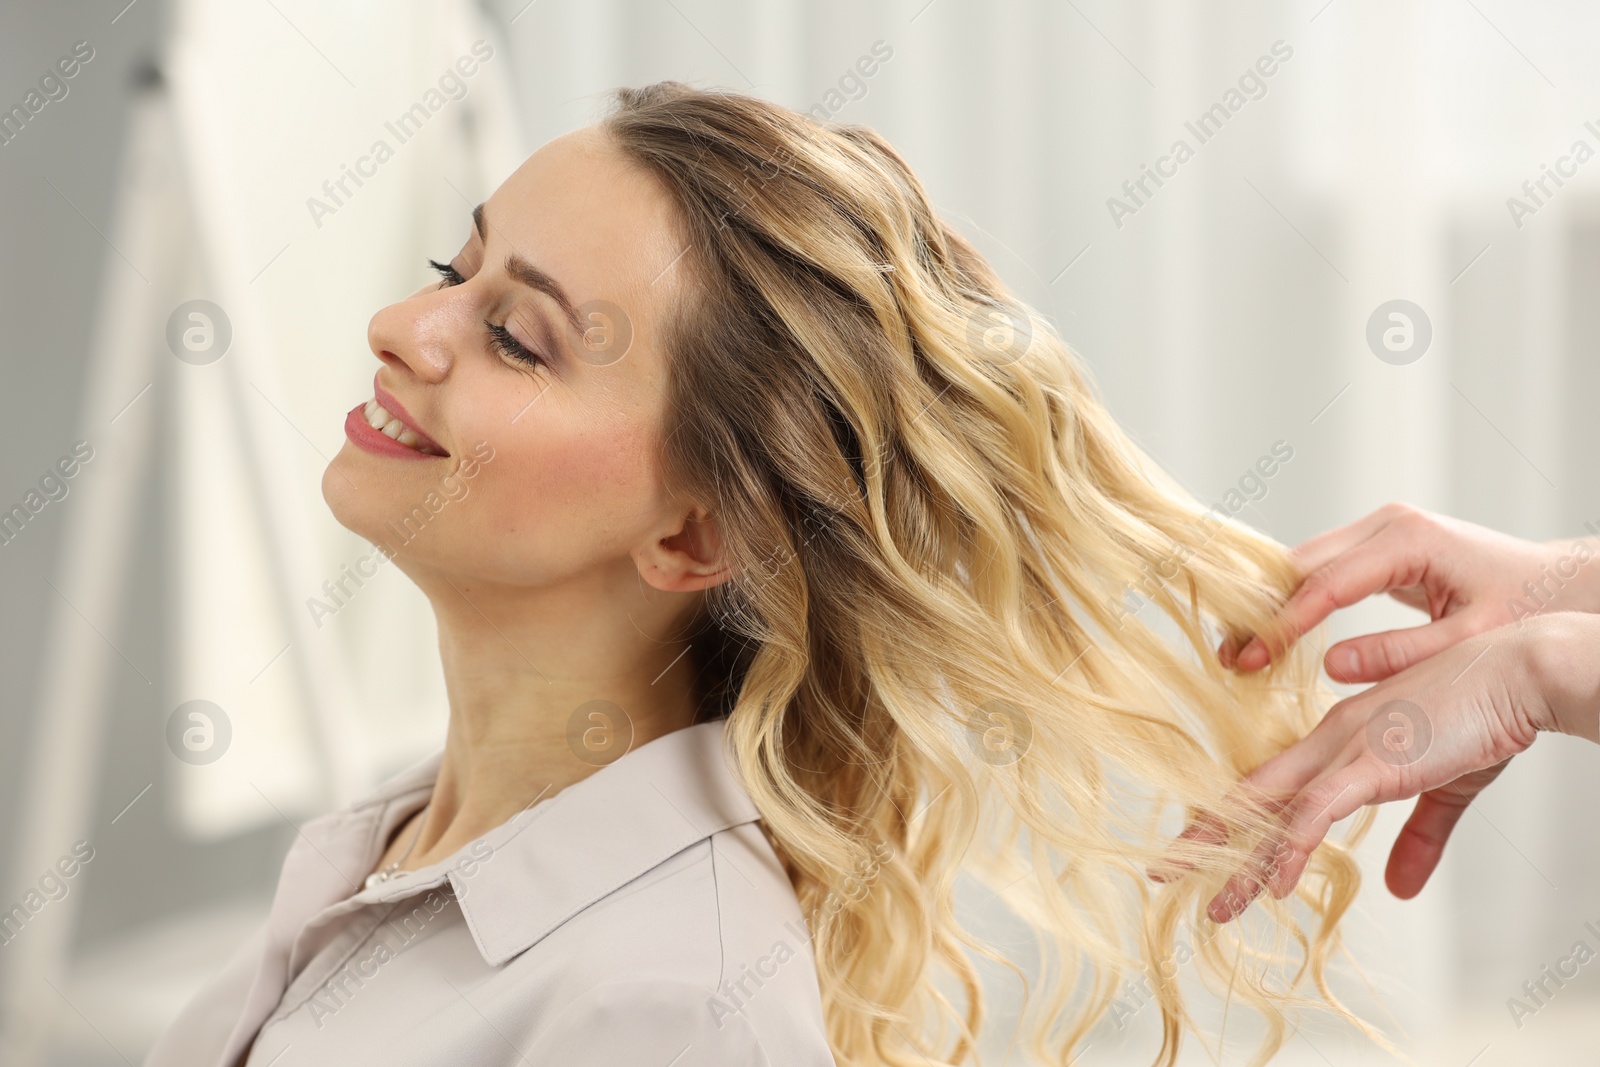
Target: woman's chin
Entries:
(341, 494)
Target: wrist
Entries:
(1562, 654)
(1581, 556)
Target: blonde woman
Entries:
(802, 574)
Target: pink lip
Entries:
(357, 429)
(387, 401)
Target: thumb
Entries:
(1374, 657)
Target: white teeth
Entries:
(379, 419)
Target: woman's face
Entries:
(523, 392)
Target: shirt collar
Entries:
(530, 874)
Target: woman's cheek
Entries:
(588, 483)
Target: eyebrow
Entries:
(532, 276)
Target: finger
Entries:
(1313, 813)
(1374, 657)
(1245, 886)
(1297, 773)
(1228, 650)
(1325, 749)
(1316, 552)
(1208, 828)
(1277, 861)
(1374, 566)
(1234, 898)
(1270, 786)
(1204, 828)
(1417, 850)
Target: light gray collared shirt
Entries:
(637, 918)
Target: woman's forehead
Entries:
(603, 227)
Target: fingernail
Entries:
(1344, 663)
(1228, 651)
(1253, 656)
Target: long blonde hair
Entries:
(930, 657)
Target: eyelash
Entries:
(499, 336)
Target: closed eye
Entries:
(450, 275)
(500, 337)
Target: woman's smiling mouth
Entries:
(382, 426)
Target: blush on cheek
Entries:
(584, 489)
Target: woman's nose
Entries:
(420, 333)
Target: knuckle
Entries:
(1321, 587)
(1316, 806)
(1269, 866)
(1340, 712)
(1396, 509)
(1414, 521)
(1391, 653)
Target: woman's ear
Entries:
(687, 557)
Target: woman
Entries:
(778, 491)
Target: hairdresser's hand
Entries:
(1443, 729)
(1467, 578)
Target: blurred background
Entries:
(201, 225)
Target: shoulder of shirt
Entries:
(723, 896)
(714, 932)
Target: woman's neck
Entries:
(542, 696)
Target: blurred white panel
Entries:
(329, 159)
